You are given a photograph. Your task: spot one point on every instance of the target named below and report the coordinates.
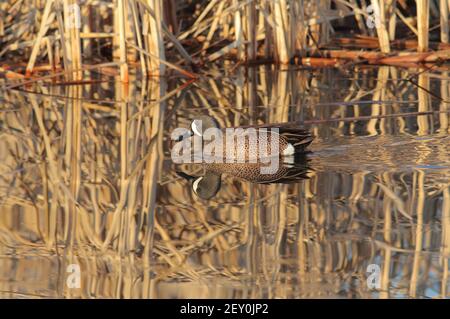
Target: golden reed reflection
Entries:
(87, 179)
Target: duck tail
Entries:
(299, 138)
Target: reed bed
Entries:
(152, 35)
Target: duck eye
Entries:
(180, 138)
(183, 136)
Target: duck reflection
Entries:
(209, 184)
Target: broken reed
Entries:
(146, 32)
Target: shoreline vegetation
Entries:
(67, 37)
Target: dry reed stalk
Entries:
(238, 36)
(155, 39)
(319, 62)
(139, 40)
(71, 18)
(51, 76)
(391, 18)
(444, 13)
(122, 18)
(132, 55)
(116, 30)
(424, 104)
(86, 18)
(445, 239)
(419, 176)
(387, 233)
(2, 24)
(250, 31)
(379, 94)
(372, 43)
(73, 157)
(380, 58)
(10, 74)
(280, 31)
(122, 95)
(45, 23)
(379, 8)
(302, 28)
(214, 26)
(444, 128)
(63, 40)
(49, 47)
(407, 22)
(423, 12)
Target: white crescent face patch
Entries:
(195, 127)
(195, 184)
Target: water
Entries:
(87, 179)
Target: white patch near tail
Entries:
(289, 159)
(289, 150)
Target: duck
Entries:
(291, 138)
(293, 142)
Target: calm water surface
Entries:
(86, 179)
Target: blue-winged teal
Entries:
(292, 149)
(291, 139)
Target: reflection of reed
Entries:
(424, 105)
(370, 199)
(90, 182)
(77, 195)
(445, 242)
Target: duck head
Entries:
(205, 187)
(201, 123)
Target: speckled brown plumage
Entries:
(252, 172)
(246, 149)
(252, 146)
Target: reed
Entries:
(423, 17)
(120, 11)
(444, 13)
